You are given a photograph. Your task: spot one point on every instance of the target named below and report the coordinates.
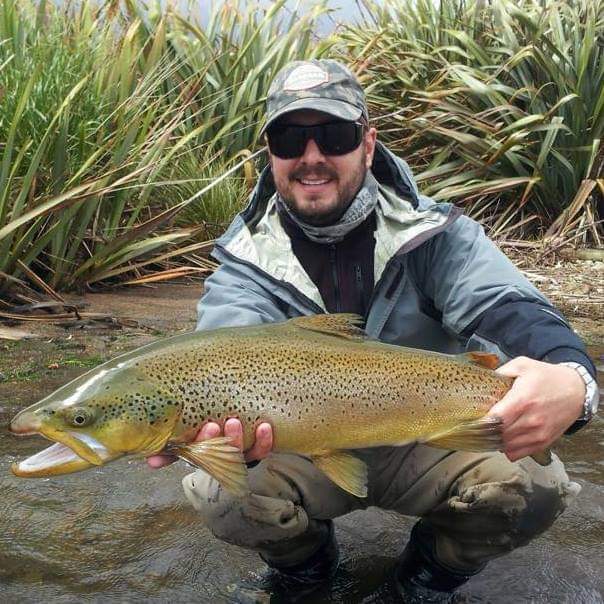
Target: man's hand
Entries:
(233, 428)
(542, 403)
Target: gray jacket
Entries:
(440, 283)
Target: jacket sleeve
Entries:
(233, 299)
(483, 298)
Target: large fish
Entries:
(319, 381)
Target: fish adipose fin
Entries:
(346, 470)
(220, 459)
(477, 435)
(344, 325)
(484, 359)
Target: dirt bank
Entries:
(143, 314)
(576, 287)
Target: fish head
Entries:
(94, 421)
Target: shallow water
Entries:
(125, 533)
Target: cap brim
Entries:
(335, 108)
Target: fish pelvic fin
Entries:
(485, 359)
(343, 325)
(346, 470)
(475, 435)
(220, 459)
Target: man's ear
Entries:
(369, 142)
(270, 158)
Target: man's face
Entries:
(316, 187)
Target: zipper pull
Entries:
(358, 274)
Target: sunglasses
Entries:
(333, 138)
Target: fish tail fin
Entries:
(220, 459)
(475, 435)
(346, 470)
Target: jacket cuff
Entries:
(565, 354)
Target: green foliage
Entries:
(112, 117)
(118, 122)
(240, 53)
(497, 103)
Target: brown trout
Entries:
(321, 383)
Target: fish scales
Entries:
(314, 387)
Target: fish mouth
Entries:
(71, 453)
(56, 459)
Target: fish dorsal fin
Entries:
(484, 359)
(346, 470)
(344, 325)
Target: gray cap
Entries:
(320, 84)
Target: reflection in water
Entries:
(125, 533)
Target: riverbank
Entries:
(134, 316)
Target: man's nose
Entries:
(312, 153)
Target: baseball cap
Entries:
(320, 84)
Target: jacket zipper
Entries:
(333, 259)
(358, 279)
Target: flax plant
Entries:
(497, 104)
(113, 117)
(240, 51)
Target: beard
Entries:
(315, 209)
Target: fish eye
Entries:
(81, 417)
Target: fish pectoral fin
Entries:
(346, 470)
(476, 435)
(220, 459)
(343, 325)
(485, 359)
(155, 444)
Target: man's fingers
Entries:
(263, 443)
(234, 430)
(209, 430)
(538, 439)
(160, 461)
(515, 367)
(509, 409)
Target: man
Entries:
(336, 224)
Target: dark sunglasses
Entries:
(333, 138)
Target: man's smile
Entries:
(314, 185)
(313, 180)
(306, 181)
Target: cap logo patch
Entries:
(305, 77)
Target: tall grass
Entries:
(113, 119)
(112, 114)
(500, 104)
